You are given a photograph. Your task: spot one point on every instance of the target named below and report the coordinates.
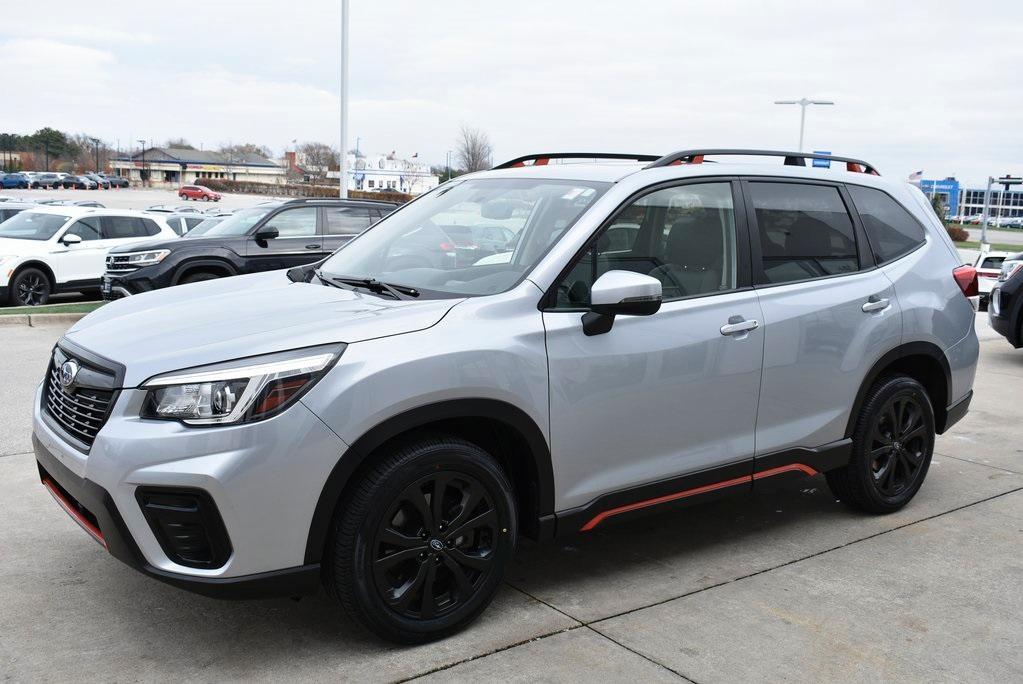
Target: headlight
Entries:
(239, 391)
(140, 259)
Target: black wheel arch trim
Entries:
(423, 416)
(919, 348)
(187, 265)
(40, 266)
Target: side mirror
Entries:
(268, 233)
(69, 240)
(620, 293)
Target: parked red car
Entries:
(198, 192)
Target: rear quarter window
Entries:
(891, 230)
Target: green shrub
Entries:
(296, 190)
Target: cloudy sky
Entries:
(918, 85)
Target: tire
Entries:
(205, 198)
(385, 551)
(893, 442)
(199, 277)
(183, 197)
(29, 287)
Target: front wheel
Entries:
(29, 287)
(419, 548)
(893, 442)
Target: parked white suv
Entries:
(663, 331)
(57, 249)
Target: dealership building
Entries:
(173, 166)
(963, 201)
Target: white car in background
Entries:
(58, 249)
(988, 265)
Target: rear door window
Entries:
(891, 229)
(347, 220)
(122, 227)
(805, 231)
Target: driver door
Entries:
(663, 397)
(84, 261)
(299, 241)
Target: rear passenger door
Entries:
(341, 224)
(829, 313)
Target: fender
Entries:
(357, 453)
(927, 349)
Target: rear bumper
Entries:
(94, 510)
(956, 412)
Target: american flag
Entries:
(916, 176)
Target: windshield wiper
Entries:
(373, 285)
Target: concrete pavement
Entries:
(785, 585)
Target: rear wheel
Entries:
(892, 447)
(419, 549)
(29, 287)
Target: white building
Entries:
(387, 172)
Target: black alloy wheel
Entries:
(435, 545)
(893, 441)
(31, 287)
(420, 543)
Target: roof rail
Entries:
(543, 158)
(791, 158)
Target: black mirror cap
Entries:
(267, 234)
(639, 306)
(601, 317)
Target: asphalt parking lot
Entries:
(786, 585)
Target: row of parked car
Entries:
(25, 180)
(64, 246)
(996, 221)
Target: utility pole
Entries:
(449, 164)
(803, 104)
(343, 161)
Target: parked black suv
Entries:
(1005, 310)
(262, 238)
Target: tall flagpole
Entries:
(343, 166)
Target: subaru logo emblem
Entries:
(436, 545)
(68, 373)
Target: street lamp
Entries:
(449, 164)
(803, 103)
(142, 173)
(343, 165)
(95, 145)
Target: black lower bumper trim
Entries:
(295, 581)
(955, 412)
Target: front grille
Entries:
(79, 409)
(119, 264)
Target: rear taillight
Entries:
(966, 279)
(1010, 271)
(446, 247)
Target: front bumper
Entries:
(263, 480)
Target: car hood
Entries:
(230, 318)
(24, 247)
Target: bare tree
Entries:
(180, 144)
(472, 149)
(238, 152)
(318, 157)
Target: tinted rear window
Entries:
(891, 229)
(805, 231)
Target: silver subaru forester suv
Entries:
(389, 420)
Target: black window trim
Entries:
(864, 255)
(873, 260)
(743, 241)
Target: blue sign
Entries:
(821, 163)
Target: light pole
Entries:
(803, 103)
(142, 173)
(449, 164)
(343, 165)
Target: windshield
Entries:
(28, 225)
(204, 227)
(451, 242)
(238, 223)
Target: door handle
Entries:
(875, 303)
(736, 327)
(312, 246)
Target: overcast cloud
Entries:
(919, 85)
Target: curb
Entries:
(36, 320)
